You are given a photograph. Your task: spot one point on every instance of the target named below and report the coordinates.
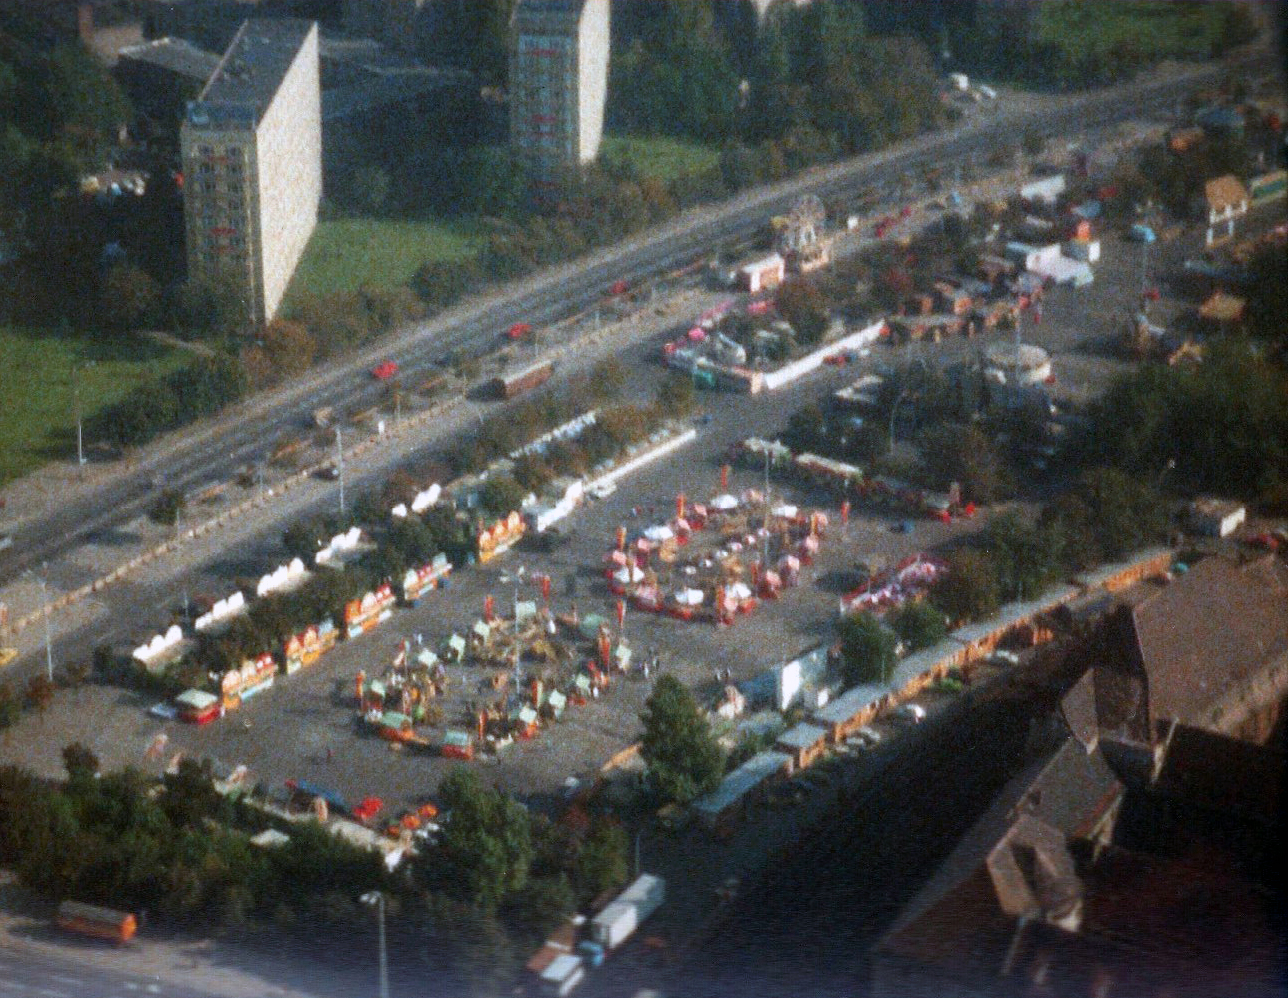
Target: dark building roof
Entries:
(1079, 710)
(1181, 911)
(175, 55)
(1197, 768)
(1196, 639)
(1069, 793)
(252, 70)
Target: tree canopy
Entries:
(684, 761)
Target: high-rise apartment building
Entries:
(252, 162)
(558, 83)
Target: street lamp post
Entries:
(44, 607)
(377, 898)
(339, 464)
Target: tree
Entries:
(603, 860)
(954, 452)
(968, 590)
(676, 396)
(129, 297)
(683, 758)
(1106, 515)
(1022, 556)
(81, 764)
(369, 187)
(867, 649)
(919, 624)
(501, 495)
(189, 794)
(801, 303)
(40, 693)
(290, 348)
(486, 850)
(167, 507)
(10, 708)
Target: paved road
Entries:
(246, 436)
(29, 975)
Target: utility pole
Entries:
(339, 464)
(44, 604)
(377, 898)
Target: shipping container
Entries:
(614, 924)
(101, 923)
(507, 386)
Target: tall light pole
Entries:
(339, 465)
(516, 578)
(377, 898)
(44, 606)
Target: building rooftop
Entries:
(742, 780)
(1069, 793)
(175, 55)
(250, 72)
(802, 736)
(1014, 613)
(1225, 192)
(1207, 632)
(851, 702)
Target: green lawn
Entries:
(37, 420)
(346, 253)
(1152, 28)
(664, 158)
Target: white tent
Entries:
(786, 510)
(737, 590)
(724, 502)
(658, 533)
(628, 574)
(689, 597)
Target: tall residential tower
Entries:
(252, 161)
(558, 83)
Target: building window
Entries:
(206, 168)
(234, 150)
(234, 187)
(234, 167)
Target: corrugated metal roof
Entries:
(802, 736)
(850, 703)
(741, 781)
(1014, 613)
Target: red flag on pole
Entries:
(845, 512)
(604, 648)
(545, 588)
(489, 608)
(621, 613)
(724, 477)
(679, 505)
(621, 538)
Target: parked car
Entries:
(384, 370)
(867, 736)
(903, 527)
(328, 473)
(1003, 657)
(910, 713)
(6, 541)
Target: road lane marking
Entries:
(64, 979)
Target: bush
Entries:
(167, 507)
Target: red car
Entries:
(519, 330)
(368, 809)
(385, 371)
(620, 287)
